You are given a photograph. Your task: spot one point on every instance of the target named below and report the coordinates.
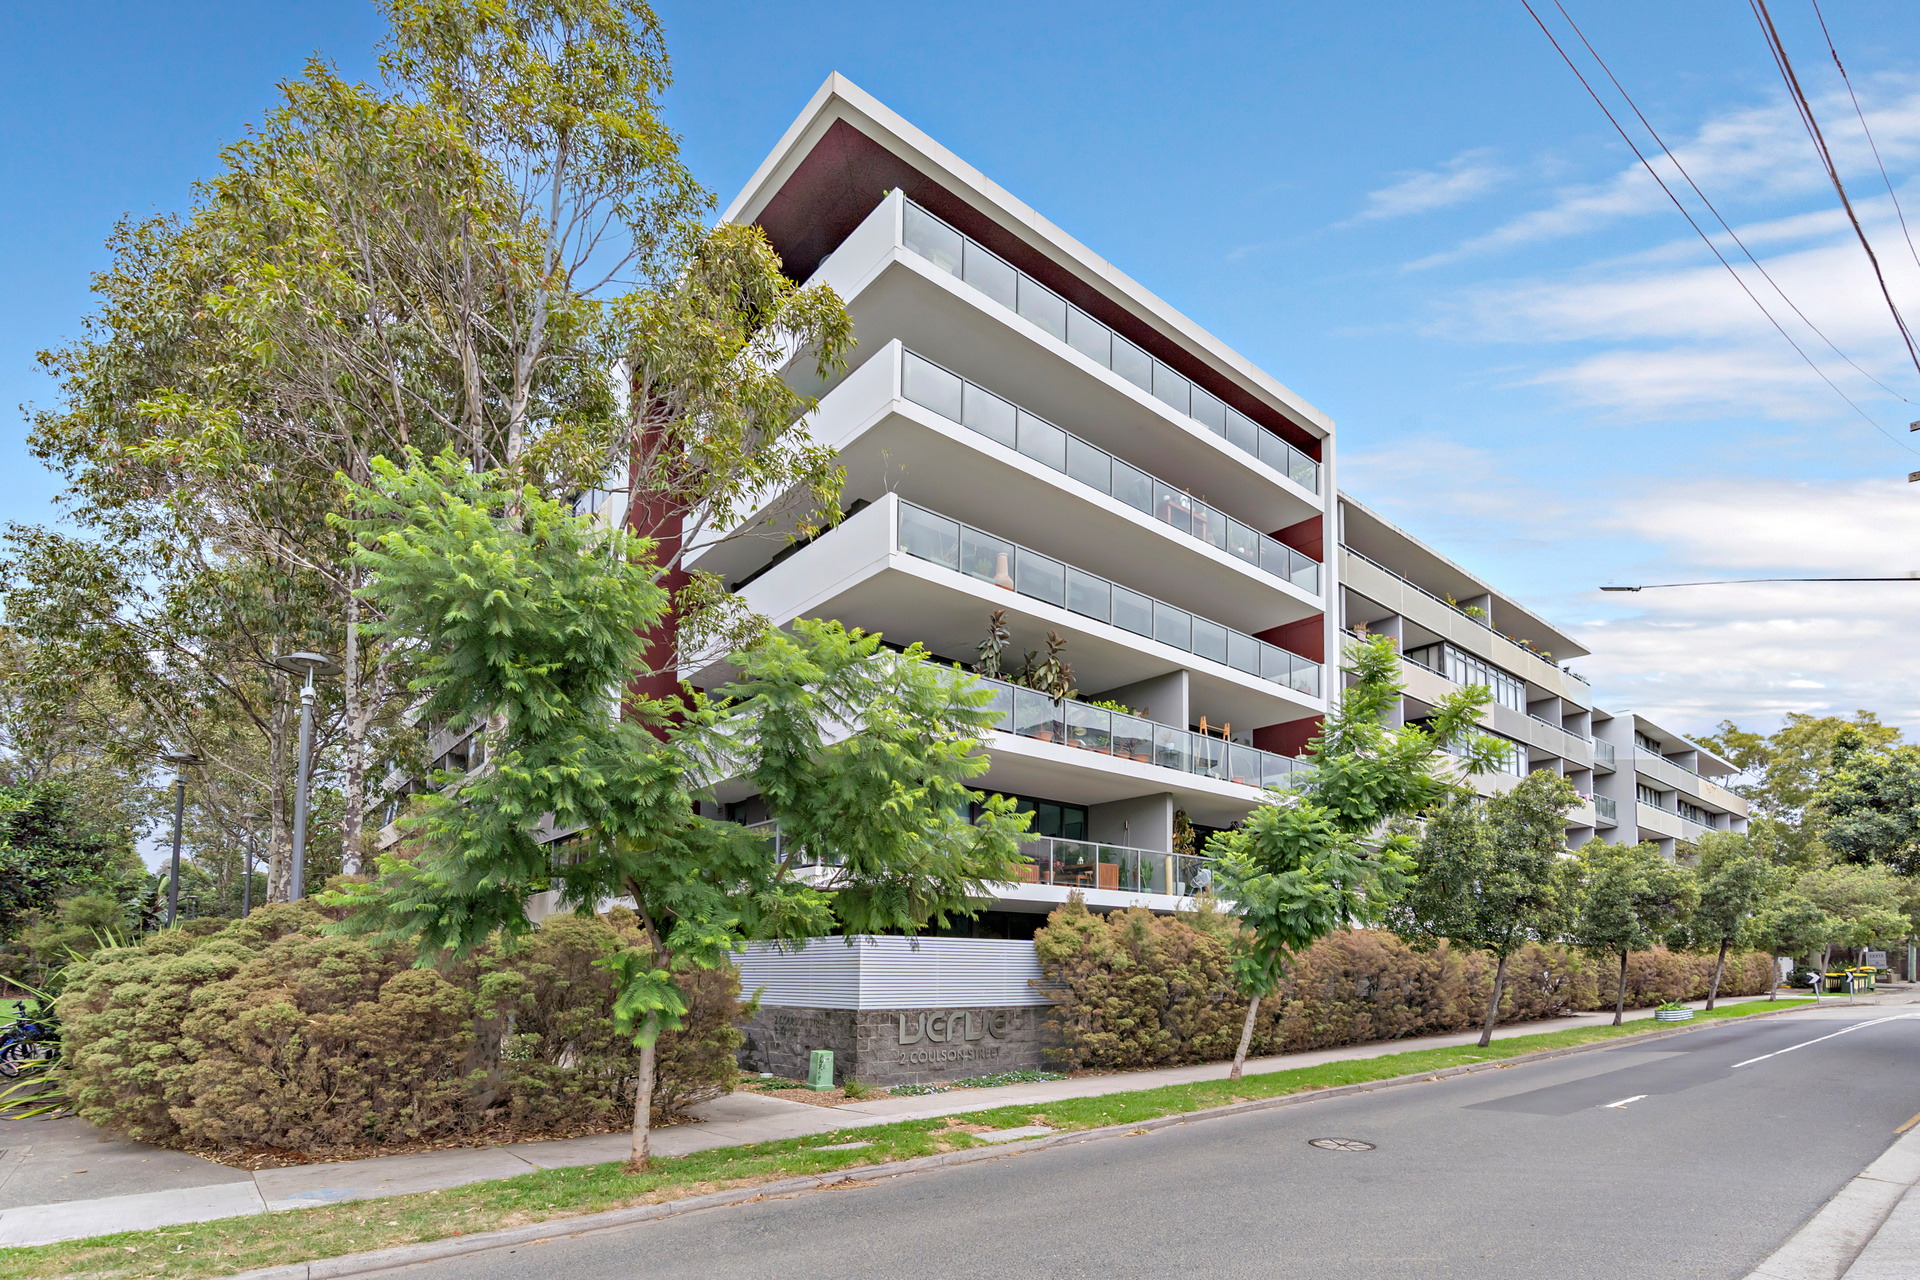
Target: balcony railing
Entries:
(962, 256)
(972, 406)
(1459, 609)
(1603, 753)
(1084, 864)
(930, 536)
(1032, 714)
(1605, 807)
(1054, 861)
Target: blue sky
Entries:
(1410, 213)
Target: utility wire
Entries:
(1701, 232)
(1734, 582)
(1848, 81)
(1673, 158)
(1785, 64)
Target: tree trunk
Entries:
(643, 1101)
(1246, 1038)
(1620, 994)
(1493, 1005)
(1719, 967)
(1773, 987)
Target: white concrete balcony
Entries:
(1669, 776)
(865, 573)
(1107, 876)
(1043, 488)
(1661, 824)
(1376, 582)
(894, 292)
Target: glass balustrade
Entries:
(972, 406)
(930, 536)
(1603, 805)
(1032, 714)
(1071, 864)
(961, 256)
(1084, 864)
(1603, 753)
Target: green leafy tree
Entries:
(1321, 856)
(524, 614)
(1487, 875)
(1734, 888)
(1869, 805)
(1864, 905)
(50, 850)
(1630, 898)
(1791, 926)
(1782, 770)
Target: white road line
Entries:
(1873, 1022)
(1624, 1101)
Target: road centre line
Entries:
(1624, 1101)
(1874, 1022)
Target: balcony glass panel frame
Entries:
(961, 256)
(959, 546)
(957, 399)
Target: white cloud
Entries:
(1682, 337)
(1465, 177)
(1753, 652)
(1749, 153)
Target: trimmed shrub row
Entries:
(267, 1034)
(1139, 990)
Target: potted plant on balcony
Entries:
(1672, 1011)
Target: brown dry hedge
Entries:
(268, 1033)
(1138, 990)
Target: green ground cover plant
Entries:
(230, 1245)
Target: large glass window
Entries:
(1464, 668)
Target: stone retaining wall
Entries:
(897, 1046)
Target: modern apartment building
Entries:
(1034, 443)
(1640, 782)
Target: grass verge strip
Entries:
(229, 1245)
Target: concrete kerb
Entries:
(1828, 1245)
(358, 1264)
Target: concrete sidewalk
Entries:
(63, 1179)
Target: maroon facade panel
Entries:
(846, 176)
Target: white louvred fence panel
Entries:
(893, 973)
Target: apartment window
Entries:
(1651, 795)
(1513, 762)
(1694, 813)
(1463, 668)
(1645, 743)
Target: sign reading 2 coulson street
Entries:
(957, 1035)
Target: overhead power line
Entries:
(1785, 65)
(1673, 158)
(1841, 67)
(1701, 231)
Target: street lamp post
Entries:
(311, 665)
(181, 761)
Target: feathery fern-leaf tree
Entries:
(1323, 855)
(514, 610)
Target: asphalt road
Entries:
(1525, 1173)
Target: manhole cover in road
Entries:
(1340, 1144)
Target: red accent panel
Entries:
(654, 515)
(847, 174)
(1307, 637)
(1307, 536)
(1289, 739)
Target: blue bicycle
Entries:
(25, 1040)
